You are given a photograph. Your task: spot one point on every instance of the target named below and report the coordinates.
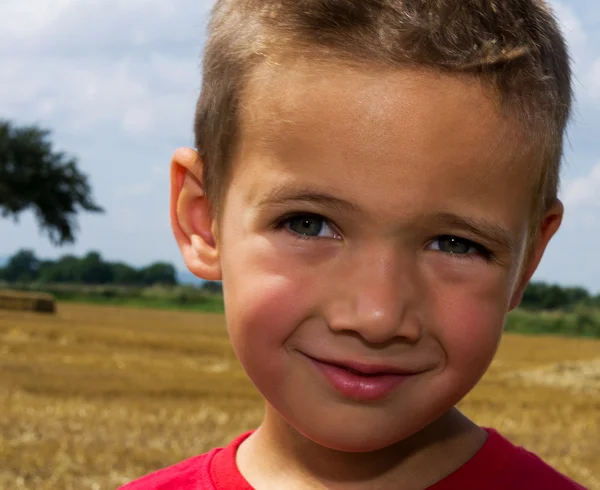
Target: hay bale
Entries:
(26, 301)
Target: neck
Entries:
(277, 454)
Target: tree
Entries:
(539, 295)
(66, 270)
(34, 176)
(23, 267)
(94, 270)
(124, 274)
(215, 287)
(159, 273)
(577, 295)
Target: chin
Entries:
(356, 442)
(355, 437)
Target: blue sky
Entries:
(117, 82)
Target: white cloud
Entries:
(161, 171)
(21, 20)
(140, 95)
(92, 26)
(583, 192)
(593, 80)
(571, 25)
(89, 66)
(137, 121)
(582, 45)
(140, 189)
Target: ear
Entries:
(548, 227)
(191, 218)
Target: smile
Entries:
(358, 381)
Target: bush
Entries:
(582, 322)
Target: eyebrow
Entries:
(292, 193)
(489, 231)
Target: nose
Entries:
(376, 297)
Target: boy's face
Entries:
(376, 219)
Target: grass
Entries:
(208, 304)
(183, 297)
(579, 322)
(96, 396)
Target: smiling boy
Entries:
(375, 182)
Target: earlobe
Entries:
(191, 216)
(548, 227)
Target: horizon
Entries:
(183, 276)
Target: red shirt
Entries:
(498, 465)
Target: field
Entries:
(95, 396)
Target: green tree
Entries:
(555, 297)
(69, 268)
(215, 287)
(577, 295)
(94, 270)
(47, 271)
(542, 296)
(159, 273)
(124, 274)
(66, 270)
(34, 176)
(22, 267)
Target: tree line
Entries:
(543, 296)
(92, 269)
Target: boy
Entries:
(375, 183)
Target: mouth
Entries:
(363, 382)
(365, 369)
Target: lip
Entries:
(366, 368)
(361, 381)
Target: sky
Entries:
(117, 81)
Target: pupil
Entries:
(454, 246)
(306, 226)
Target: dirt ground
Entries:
(94, 396)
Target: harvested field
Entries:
(93, 396)
(38, 302)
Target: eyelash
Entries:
(480, 250)
(281, 223)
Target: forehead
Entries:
(371, 133)
(377, 109)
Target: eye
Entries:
(454, 245)
(308, 226)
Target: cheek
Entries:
(470, 324)
(265, 302)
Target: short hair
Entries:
(514, 45)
